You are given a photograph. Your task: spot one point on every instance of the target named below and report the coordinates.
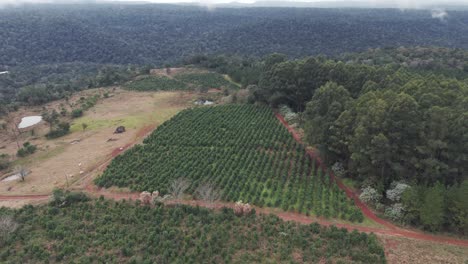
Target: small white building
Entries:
(4, 72)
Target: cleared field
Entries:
(406, 250)
(209, 80)
(156, 83)
(243, 150)
(61, 162)
(102, 231)
(180, 79)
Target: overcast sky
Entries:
(395, 3)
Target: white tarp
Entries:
(29, 121)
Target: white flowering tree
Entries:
(396, 191)
(370, 195)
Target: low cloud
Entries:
(439, 14)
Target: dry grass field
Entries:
(61, 162)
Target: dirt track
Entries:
(391, 228)
(388, 229)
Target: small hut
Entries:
(119, 130)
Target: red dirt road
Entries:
(391, 228)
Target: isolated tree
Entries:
(51, 118)
(178, 187)
(7, 227)
(168, 69)
(208, 192)
(22, 172)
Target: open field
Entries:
(414, 251)
(62, 161)
(243, 150)
(180, 79)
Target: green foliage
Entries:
(88, 102)
(183, 81)
(156, 83)
(432, 211)
(102, 231)
(26, 150)
(39, 84)
(164, 33)
(4, 161)
(61, 198)
(241, 149)
(423, 60)
(61, 130)
(77, 113)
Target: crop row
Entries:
(243, 150)
(183, 81)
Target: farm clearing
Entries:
(61, 162)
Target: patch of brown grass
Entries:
(411, 251)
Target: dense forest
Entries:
(34, 85)
(155, 34)
(72, 229)
(423, 60)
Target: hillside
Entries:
(155, 34)
(100, 231)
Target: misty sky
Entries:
(394, 3)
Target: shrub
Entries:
(77, 113)
(62, 130)
(396, 191)
(26, 150)
(4, 161)
(395, 212)
(370, 195)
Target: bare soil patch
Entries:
(175, 71)
(406, 250)
(62, 162)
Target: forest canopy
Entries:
(155, 34)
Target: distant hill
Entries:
(156, 34)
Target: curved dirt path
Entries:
(365, 210)
(392, 229)
(389, 229)
(303, 219)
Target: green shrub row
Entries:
(243, 150)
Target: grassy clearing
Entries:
(185, 80)
(41, 156)
(156, 83)
(208, 80)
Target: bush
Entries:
(77, 113)
(289, 115)
(396, 191)
(395, 212)
(4, 161)
(62, 198)
(62, 130)
(370, 195)
(26, 150)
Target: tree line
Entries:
(383, 124)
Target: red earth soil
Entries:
(392, 229)
(389, 228)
